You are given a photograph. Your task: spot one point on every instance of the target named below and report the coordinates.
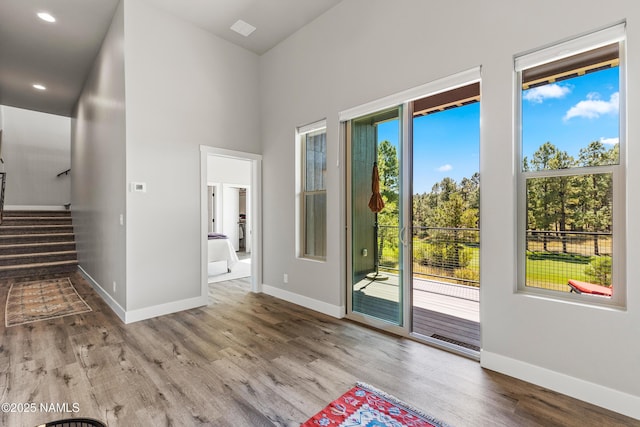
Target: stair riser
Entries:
(38, 259)
(41, 236)
(28, 238)
(36, 230)
(38, 271)
(36, 221)
(9, 214)
(70, 246)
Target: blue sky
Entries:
(446, 144)
(570, 114)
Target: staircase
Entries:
(36, 244)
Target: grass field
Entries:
(547, 270)
(552, 271)
(543, 270)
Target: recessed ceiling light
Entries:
(243, 28)
(46, 17)
(39, 86)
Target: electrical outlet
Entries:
(114, 286)
(285, 279)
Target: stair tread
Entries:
(36, 218)
(35, 226)
(38, 265)
(14, 214)
(28, 245)
(36, 229)
(37, 254)
(37, 242)
(35, 234)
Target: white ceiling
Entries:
(275, 20)
(56, 55)
(60, 55)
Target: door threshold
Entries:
(443, 345)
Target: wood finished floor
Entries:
(251, 360)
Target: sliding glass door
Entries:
(445, 218)
(375, 215)
(413, 238)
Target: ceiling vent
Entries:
(243, 28)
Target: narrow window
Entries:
(313, 194)
(571, 168)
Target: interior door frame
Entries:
(256, 213)
(214, 201)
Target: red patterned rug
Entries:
(364, 405)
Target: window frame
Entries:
(585, 43)
(302, 193)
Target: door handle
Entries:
(402, 237)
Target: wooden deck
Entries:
(450, 313)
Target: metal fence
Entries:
(447, 254)
(442, 254)
(452, 255)
(555, 257)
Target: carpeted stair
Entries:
(36, 244)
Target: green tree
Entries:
(595, 192)
(470, 191)
(388, 218)
(549, 199)
(599, 270)
(389, 183)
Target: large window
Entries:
(313, 193)
(571, 168)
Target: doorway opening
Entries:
(231, 217)
(445, 218)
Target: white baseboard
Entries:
(313, 304)
(146, 312)
(112, 303)
(163, 309)
(34, 208)
(614, 400)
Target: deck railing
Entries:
(447, 254)
(452, 255)
(554, 257)
(439, 253)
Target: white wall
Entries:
(36, 148)
(228, 170)
(185, 87)
(362, 50)
(98, 168)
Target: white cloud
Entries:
(592, 107)
(609, 141)
(445, 168)
(540, 93)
